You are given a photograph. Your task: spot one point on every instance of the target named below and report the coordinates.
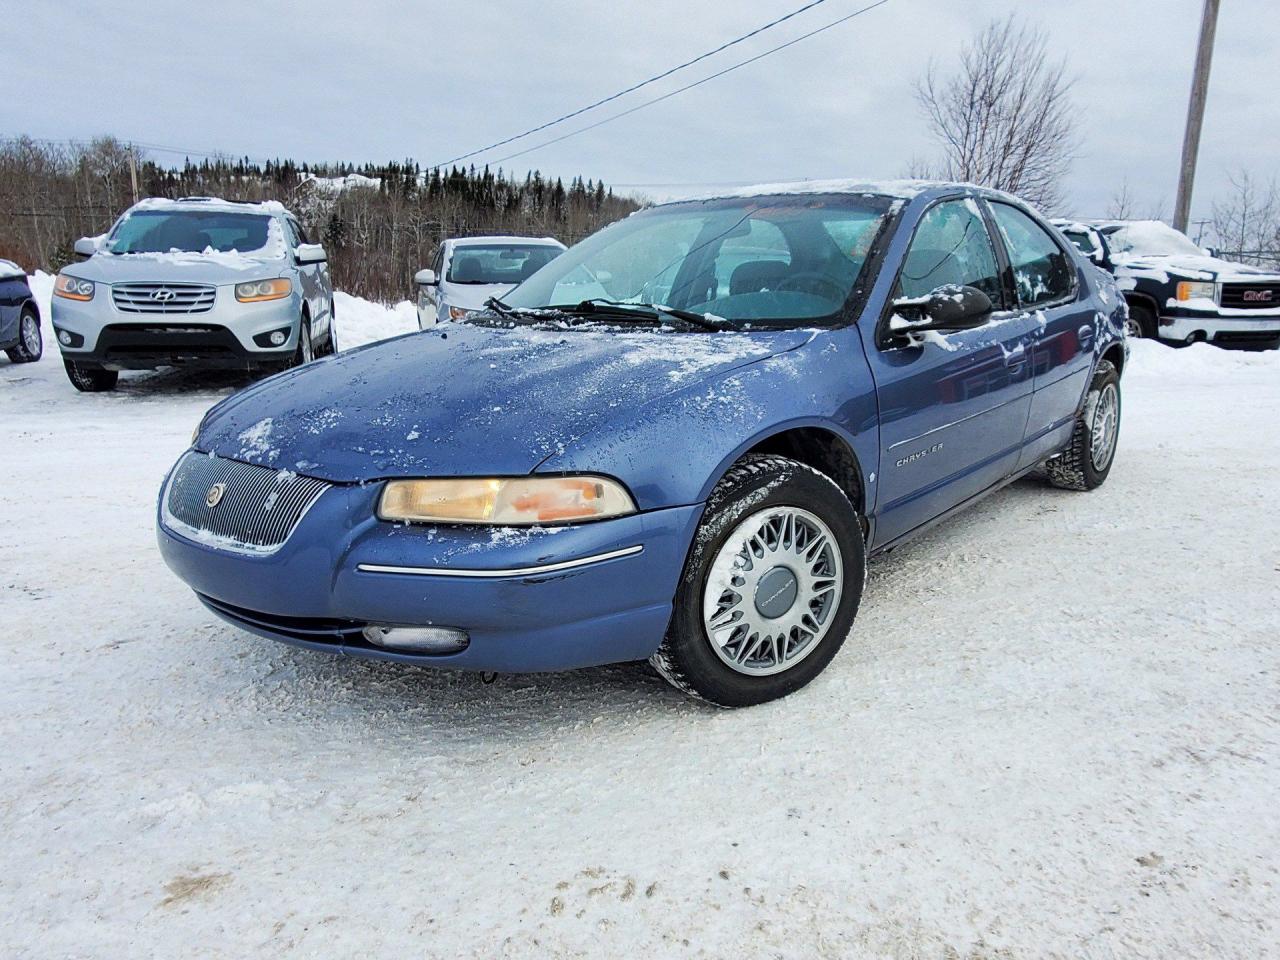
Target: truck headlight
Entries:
(521, 501)
(1196, 290)
(256, 290)
(73, 288)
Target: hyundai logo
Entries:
(163, 295)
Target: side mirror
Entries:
(425, 278)
(86, 246)
(310, 253)
(950, 307)
(1212, 252)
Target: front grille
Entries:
(163, 297)
(258, 507)
(1251, 296)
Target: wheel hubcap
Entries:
(772, 590)
(30, 335)
(1106, 425)
(1134, 328)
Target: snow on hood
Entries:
(460, 399)
(9, 270)
(177, 267)
(1192, 267)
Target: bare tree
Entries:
(1005, 119)
(1247, 223)
(1121, 205)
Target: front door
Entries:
(953, 408)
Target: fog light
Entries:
(64, 338)
(278, 337)
(417, 639)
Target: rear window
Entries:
(190, 231)
(498, 263)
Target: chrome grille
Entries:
(163, 297)
(258, 509)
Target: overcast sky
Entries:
(378, 80)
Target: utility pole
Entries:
(1195, 115)
(133, 170)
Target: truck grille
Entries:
(163, 297)
(1251, 296)
(254, 509)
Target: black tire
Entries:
(88, 379)
(1075, 468)
(755, 484)
(1142, 322)
(331, 342)
(30, 345)
(305, 350)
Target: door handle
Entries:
(1085, 335)
(1016, 357)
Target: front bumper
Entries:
(1238, 329)
(227, 335)
(342, 569)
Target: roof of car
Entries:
(491, 241)
(898, 189)
(265, 207)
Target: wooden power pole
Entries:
(1195, 115)
(133, 170)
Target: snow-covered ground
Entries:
(1054, 732)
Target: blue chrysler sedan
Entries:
(679, 441)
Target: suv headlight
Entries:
(73, 288)
(460, 313)
(1196, 290)
(521, 501)
(256, 290)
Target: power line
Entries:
(635, 87)
(690, 86)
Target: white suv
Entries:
(197, 281)
(467, 272)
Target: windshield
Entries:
(498, 263)
(1150, 238)
(769, 261)
(189, 231)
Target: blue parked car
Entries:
(680, 440)
(20, 335)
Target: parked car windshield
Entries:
(769, 261)
(189, 231)
(499, 263)
(1150, 238)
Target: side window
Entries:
(302, 234)
(1042, 271)
(291, 232)
(951, 246)
(438, 264)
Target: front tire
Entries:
(90, 379)
(1086, 462)
(30, 345)
(770, 588)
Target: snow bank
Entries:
(362, 321)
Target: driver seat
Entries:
(755, 276)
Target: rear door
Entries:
(1049, 288)
(953, 409)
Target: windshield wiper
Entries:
(524, 313)
(653, 312)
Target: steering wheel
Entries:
(805, 282)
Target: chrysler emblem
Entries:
(214, 496)
(164, 295)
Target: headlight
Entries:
(257, 290)
(459, 313)
(73, 288)
(1196, 290)
(522, 501)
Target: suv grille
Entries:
(255, 511)
(1251, 296)
(163, 297)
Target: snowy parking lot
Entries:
(1054, 732)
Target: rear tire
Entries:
(30, 345)
(90, 379)
(770, 588)
(1086, 462)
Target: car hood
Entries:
(1195, 268)
(472, 296)
(460, 399)
(213, 268)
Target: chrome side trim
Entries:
(509, 572)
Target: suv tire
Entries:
(780, 546)
(1142, 322)
(88, 379)
(1086, 462)
(30, 345)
